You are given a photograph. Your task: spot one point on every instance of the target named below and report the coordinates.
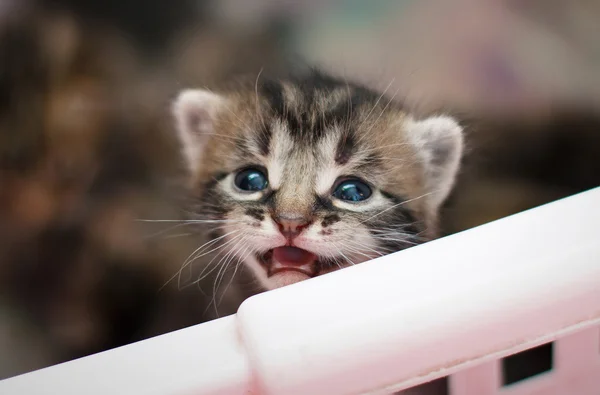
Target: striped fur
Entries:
(308, 133)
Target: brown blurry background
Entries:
(86, 149)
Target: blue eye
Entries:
(251, 180)
(352, 191)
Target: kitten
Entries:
(309, 174)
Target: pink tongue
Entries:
(292, 256)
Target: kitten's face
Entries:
(310, 177)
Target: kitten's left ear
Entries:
(439, 142)
(195, 111)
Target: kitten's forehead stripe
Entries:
(341, 112)
(372, 159)
(345, 148)
(273, 92)
(243, 149)
(311, 108)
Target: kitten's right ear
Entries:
(439, 141)
(195, 111)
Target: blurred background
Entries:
(86, 147)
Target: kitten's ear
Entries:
(439, 141)
(195, 111)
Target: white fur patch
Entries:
(438, 141)
(194, 111)
(326, 178)
(281, 146)
(329, 170)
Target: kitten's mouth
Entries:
(290, 259)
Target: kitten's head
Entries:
(308, 175)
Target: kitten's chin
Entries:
(287, 265)
(284, 278)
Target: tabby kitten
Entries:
(309, 174)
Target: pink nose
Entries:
(291, 226)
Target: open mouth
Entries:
(290, 259)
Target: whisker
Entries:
(363, 245)
(155, 234)
(402, 237)
(346, 258)
(202, 275)
(367, 133)
(223, 263)
(190, 221)
(189, 260)
(161, 232)
(396, 205)
(376, 103)
(256, 104)
(226, 260)
(177, 235)
(238, 264)
(198, 250)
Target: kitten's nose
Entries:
(291, 225)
